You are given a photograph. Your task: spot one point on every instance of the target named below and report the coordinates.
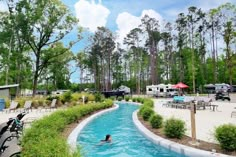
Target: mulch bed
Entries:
(186, 139)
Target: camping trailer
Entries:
(166, 90)
(161, 90)
(151, 89)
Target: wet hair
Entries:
(107, 137)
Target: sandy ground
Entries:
(206, 120)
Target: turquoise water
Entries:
(127, 141)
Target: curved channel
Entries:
(127, 141)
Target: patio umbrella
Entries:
(180, 85)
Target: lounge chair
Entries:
(52, 106)
(13, 107)
(27, 106)
(233, 114)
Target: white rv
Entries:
(161, 90)
(151, 89)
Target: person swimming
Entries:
(107, 139)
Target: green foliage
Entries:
(140, 100)
(134, 99)
(146, 113)
(50, 98)
(156, 121)
(44, 136)
(66, 97)
(112, 98)
(119, 98)
(98, 97)
(226, 136)
(149, 103)
(127, 98)
(91, 97)
(174, 128)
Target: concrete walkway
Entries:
(32, 115)
(206, 120)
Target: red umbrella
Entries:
(180, 85)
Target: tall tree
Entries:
(151, 28)
(42, 23)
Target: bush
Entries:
(91, 97)
(76, 96)
(226, 136)
(146, 113)
(119, 98)
(156, 121)
(66, 97)
(44, 137)
(134, 99)
(174, 128)
(112, 97)
(50, 98)
(139, 100)
(98, 97)
(149, 103)
(127, 98)
(142, 107)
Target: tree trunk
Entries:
(153, 63)
(36, 74)
(213, 54)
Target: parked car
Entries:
(222, 96)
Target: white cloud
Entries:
(126, 22)
(91, 15)
(3, 6)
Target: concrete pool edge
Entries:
(173, 146)
(72, 138)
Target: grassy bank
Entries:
(44, 137)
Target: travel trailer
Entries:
(151, 89)
(161, 90)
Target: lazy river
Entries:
(127, 141)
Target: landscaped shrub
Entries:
(134, 99)
(66, 97)
(98, 97)
(146, 113)
(44, 137)
(76, 96)
(141, 109)
(91, 97)
(226, 136)
(156, 121)
(50, 98)
(112, 97)
(119, 98)
(127, 98)
(139, 100)
(149, 103)
(174, 128)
